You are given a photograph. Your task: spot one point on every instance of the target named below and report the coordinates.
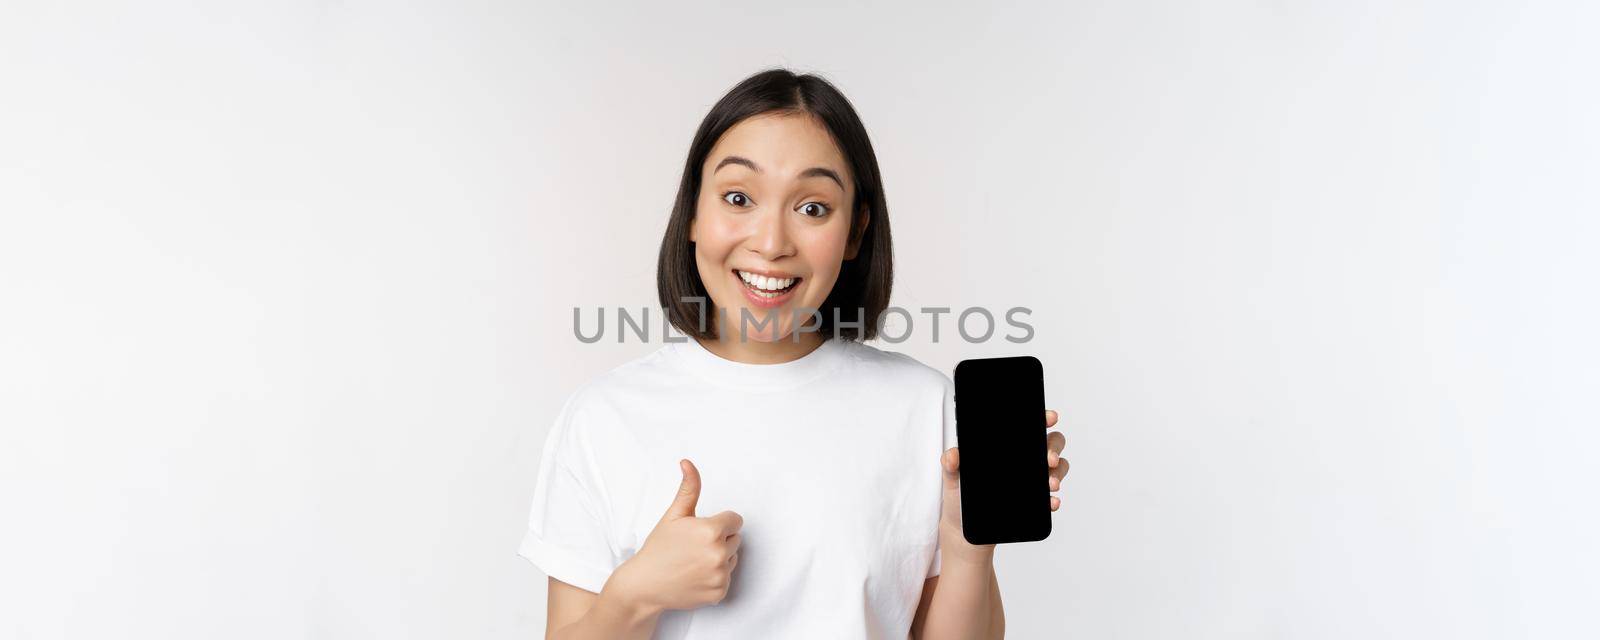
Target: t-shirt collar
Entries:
(744, 375)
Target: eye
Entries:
(816, 209)
(736, 199)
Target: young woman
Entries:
(806, 501)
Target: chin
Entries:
(762, 335)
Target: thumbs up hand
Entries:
(686, 562)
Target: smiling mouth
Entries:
(766, 287)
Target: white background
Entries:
(287, 297)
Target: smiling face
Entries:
(773, 223)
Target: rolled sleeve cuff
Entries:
(562, 564)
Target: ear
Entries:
(858, 230)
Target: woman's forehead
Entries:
(779, 145)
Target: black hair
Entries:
(862, 290)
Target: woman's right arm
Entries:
(685, 563)
(576, 614)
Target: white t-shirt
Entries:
(831, 459)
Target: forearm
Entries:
(966, 603)
(614, 616)
(997, 618)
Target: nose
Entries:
(770, 236)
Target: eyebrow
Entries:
(808, 173)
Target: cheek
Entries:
(827, 255)
(715, 230)
(709, 259)
(715, 237)
(711, 236)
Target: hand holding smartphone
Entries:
(1005, 469)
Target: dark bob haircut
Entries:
(862, 291)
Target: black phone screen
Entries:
(1004, 472)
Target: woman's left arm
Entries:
(963, 602)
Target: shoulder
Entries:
(622, 381)
(895, 365)
(591, 418)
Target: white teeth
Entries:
(764, 282)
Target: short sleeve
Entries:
(567, 522)
(948, 427)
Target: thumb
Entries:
(950, 463)
(688, 493)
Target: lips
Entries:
(767, 291)
(766, 281)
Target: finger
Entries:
(1058, 474)
(730, 545)
(727, 523)
(1050, 418)
(950, 462)
(1056, 441)
(1055, 503)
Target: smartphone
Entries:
(1005, 471)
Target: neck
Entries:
(785, 349)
